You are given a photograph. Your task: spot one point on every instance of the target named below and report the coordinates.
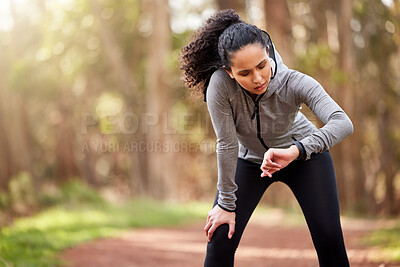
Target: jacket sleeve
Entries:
(220, 110)
(337, 125)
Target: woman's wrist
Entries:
(295, 152)
(225, 209)
(300, 147)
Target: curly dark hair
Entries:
(222, 34)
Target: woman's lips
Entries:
(260, 88)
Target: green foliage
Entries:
(71, 193)
(4, 199)
(81, 215)
(388, 240)
(320, 61)
(21, 187)
(20, 196)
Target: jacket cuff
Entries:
(225, 209)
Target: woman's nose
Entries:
(257, 78)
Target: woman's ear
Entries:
(229, 72)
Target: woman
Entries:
(254, 102)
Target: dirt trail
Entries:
(263, 244)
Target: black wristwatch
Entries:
(302, 154)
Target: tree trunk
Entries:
(389, 204)
(159, 164)
(320, 33)
(352, 178)
(14, 118)
(113, 53)
(279, 26)
(66, 164)
(238, 5)
(6, 166)
(122, 74)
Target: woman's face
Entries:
(250, 67)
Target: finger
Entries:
(268, 169)
(263, 174)
(269, 163)
(208, 219)
(231, 230)
(207, 227)
(211, 232)
(263, 165)
(268, 159)
(268, 155)
(266, 173)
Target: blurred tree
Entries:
(379, 39)
(159, 162)
(351, 169)
(6, 166)
(113, 51)
(66, 162)
(125, 73)
(238, 5)
(345, 98)
(16, 135)
(279, 26)
(318, 20)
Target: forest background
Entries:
(90, 91)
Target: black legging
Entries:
(313, 183)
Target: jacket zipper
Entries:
(245, 153)
(259, 126)
(256, 113)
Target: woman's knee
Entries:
(329, 239)
(221, 243)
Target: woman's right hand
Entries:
(217, 217)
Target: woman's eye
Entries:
(262, 66)
(244, 74)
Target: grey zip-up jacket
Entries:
(246, 128)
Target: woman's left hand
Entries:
(276, 159)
